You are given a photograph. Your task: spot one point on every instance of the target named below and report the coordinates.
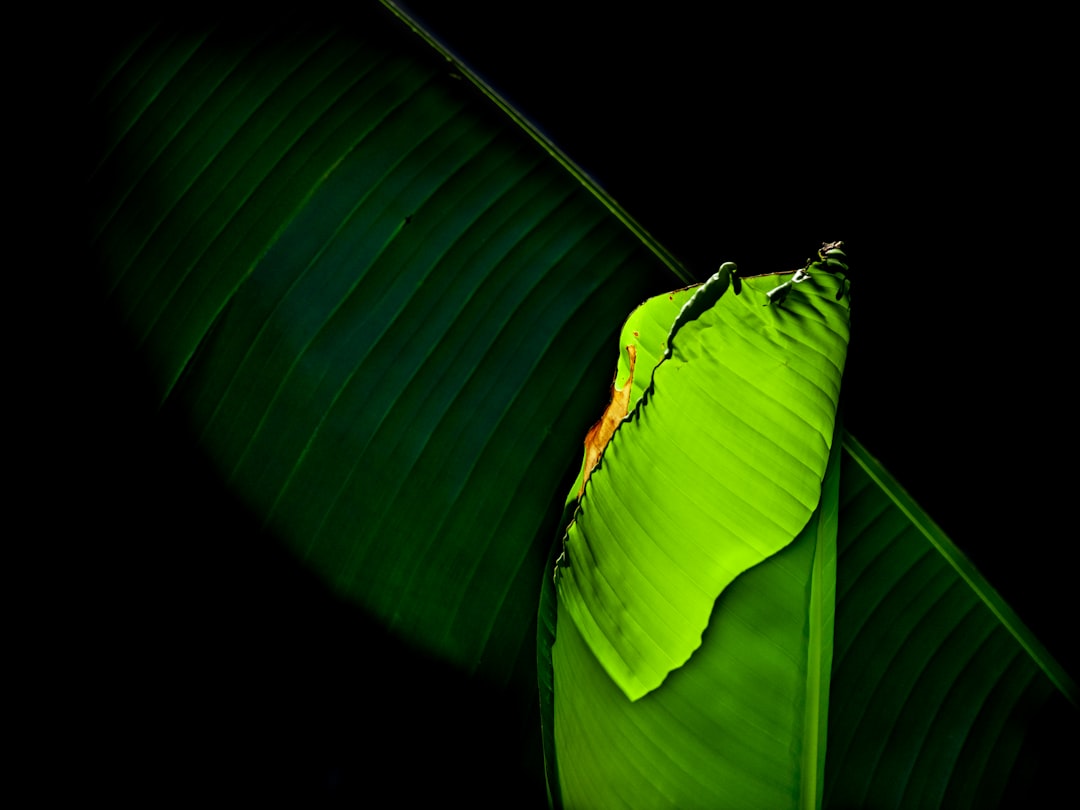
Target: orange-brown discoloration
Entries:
(600, 433)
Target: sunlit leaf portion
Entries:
(717, 467)
(644, 336)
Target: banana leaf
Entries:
(940, 691)
(374, 299)
(737, 420)
(359, 292)
(741, 723)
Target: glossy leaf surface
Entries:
(717, 467)
(742, 722)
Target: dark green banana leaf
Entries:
(380, 303)
(372, 293)
(939, 689)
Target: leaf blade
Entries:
(736, 388)
(739, 725)
(938, 687)
(358, 313)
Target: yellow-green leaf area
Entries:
(717, 467)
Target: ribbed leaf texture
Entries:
(739, 725)
(382, 303)
(742, 722)
(941, 697)
(717, 467)
(374, 296)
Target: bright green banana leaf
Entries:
(380, 300)
(715, 468)
(750, 392)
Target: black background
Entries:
(196, 666)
